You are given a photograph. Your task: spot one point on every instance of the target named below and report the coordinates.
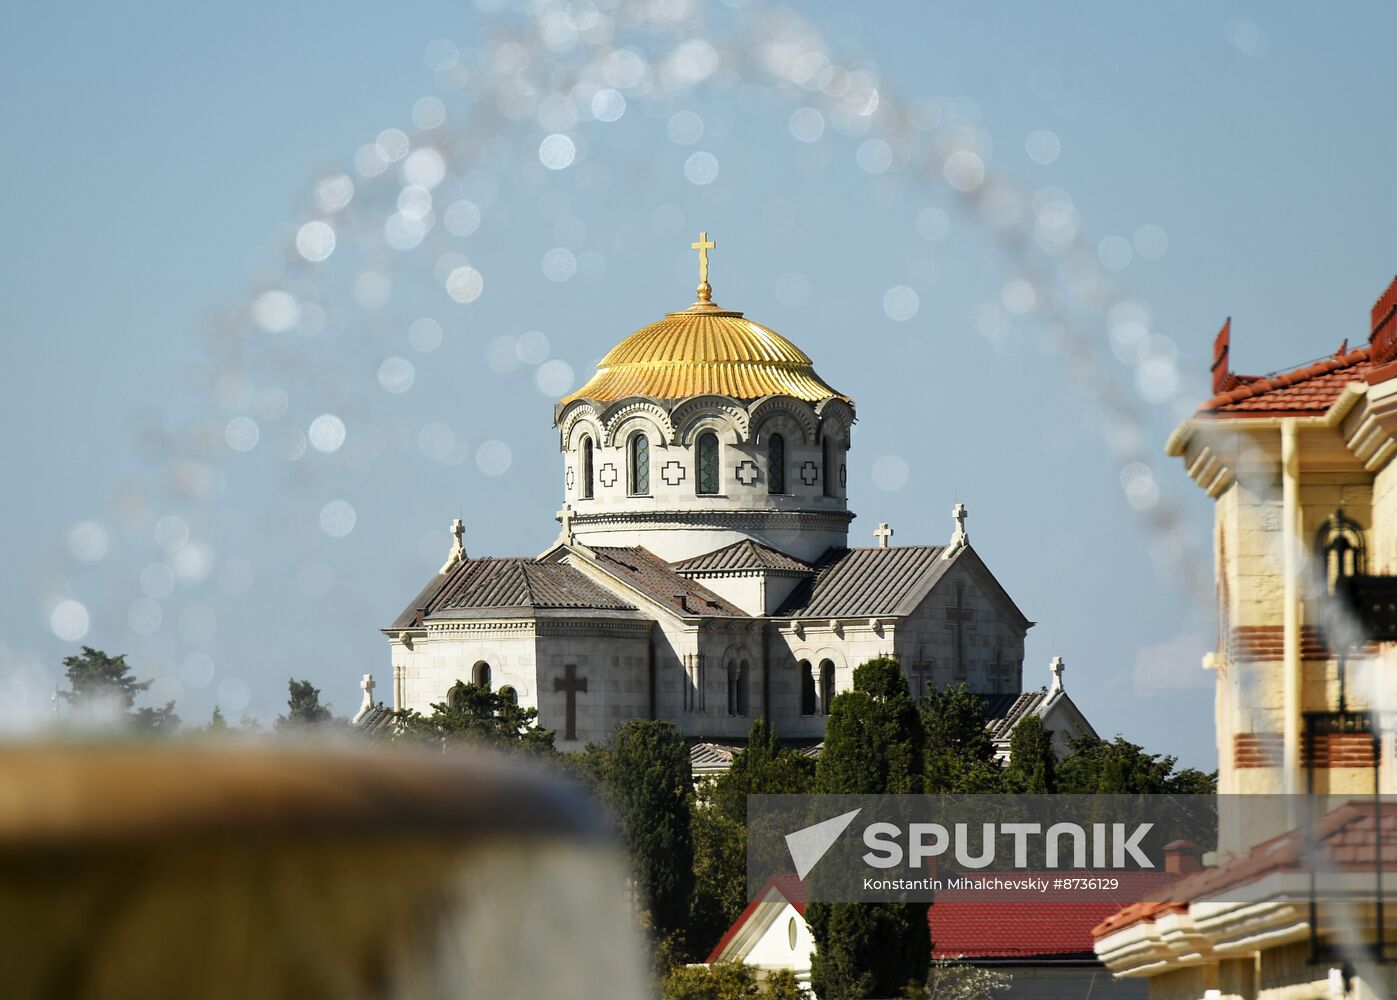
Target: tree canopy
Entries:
(475, 714)
(102, 688)
(303, 708)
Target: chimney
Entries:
(1223, 378)
(681, 601)
(1180, 857)
(1384, 327)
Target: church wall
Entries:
(450, 650)
(614, 660)
(992, 650)
(846, 647)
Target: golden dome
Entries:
(705, 350)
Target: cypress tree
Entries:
(874, 744)
(648, 781)
(1032, 766)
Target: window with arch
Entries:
(826, 686)
(707, 478)
(743, 686)
(776, 464)
(480, 675)
(830, 472)
(809, 704)
(586, 492)
(509, 694)
(640, 466)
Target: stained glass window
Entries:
(640, 465)
(776, 464)
(708, 463)
(586, 468)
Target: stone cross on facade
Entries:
(458, 547)
(1057, 667)
(571, 684)
(921, 674)
(883, 534)
(959, 617)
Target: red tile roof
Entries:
(1346, 836)
(980, 928)
(1309, 389)
(965, 924)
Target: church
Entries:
(703, 573)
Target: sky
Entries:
(241, 413)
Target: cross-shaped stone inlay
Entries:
(809, 473)
(747, 472)
(572, 684)
(607, 475)
(959, 618)
(673, 472)
(921, 674)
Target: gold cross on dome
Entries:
(703, 245)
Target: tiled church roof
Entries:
(857, 583)
(655, 578)
(482, 584)
(1005, 711)
(745, 554)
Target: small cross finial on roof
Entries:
(1057, 667)
(458, 548)
(883, 534)
(565, 517)
(959, 513)
(704, 244)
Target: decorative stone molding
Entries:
(674, 472)
(783, 414)
(717, 413)
(618, 419)
(747, 472)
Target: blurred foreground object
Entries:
(135, 870)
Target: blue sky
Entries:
(159, 163)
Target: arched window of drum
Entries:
(808, 703)
(586, 468)
(743, 683)
(830, 473)
(480, 674)
(826, 686)
(776, 464)
(509, 694)
(640, 466)
(708, 463)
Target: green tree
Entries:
(1119, 767)
(102, 686)
(873, 737)
(874, 744)
(473, 714)
(730, 981)
(959, 753)
(648, 782)
(721, 823)
(303, 706)
(217, 723)
(1032, 766)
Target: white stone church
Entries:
(703, 573)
